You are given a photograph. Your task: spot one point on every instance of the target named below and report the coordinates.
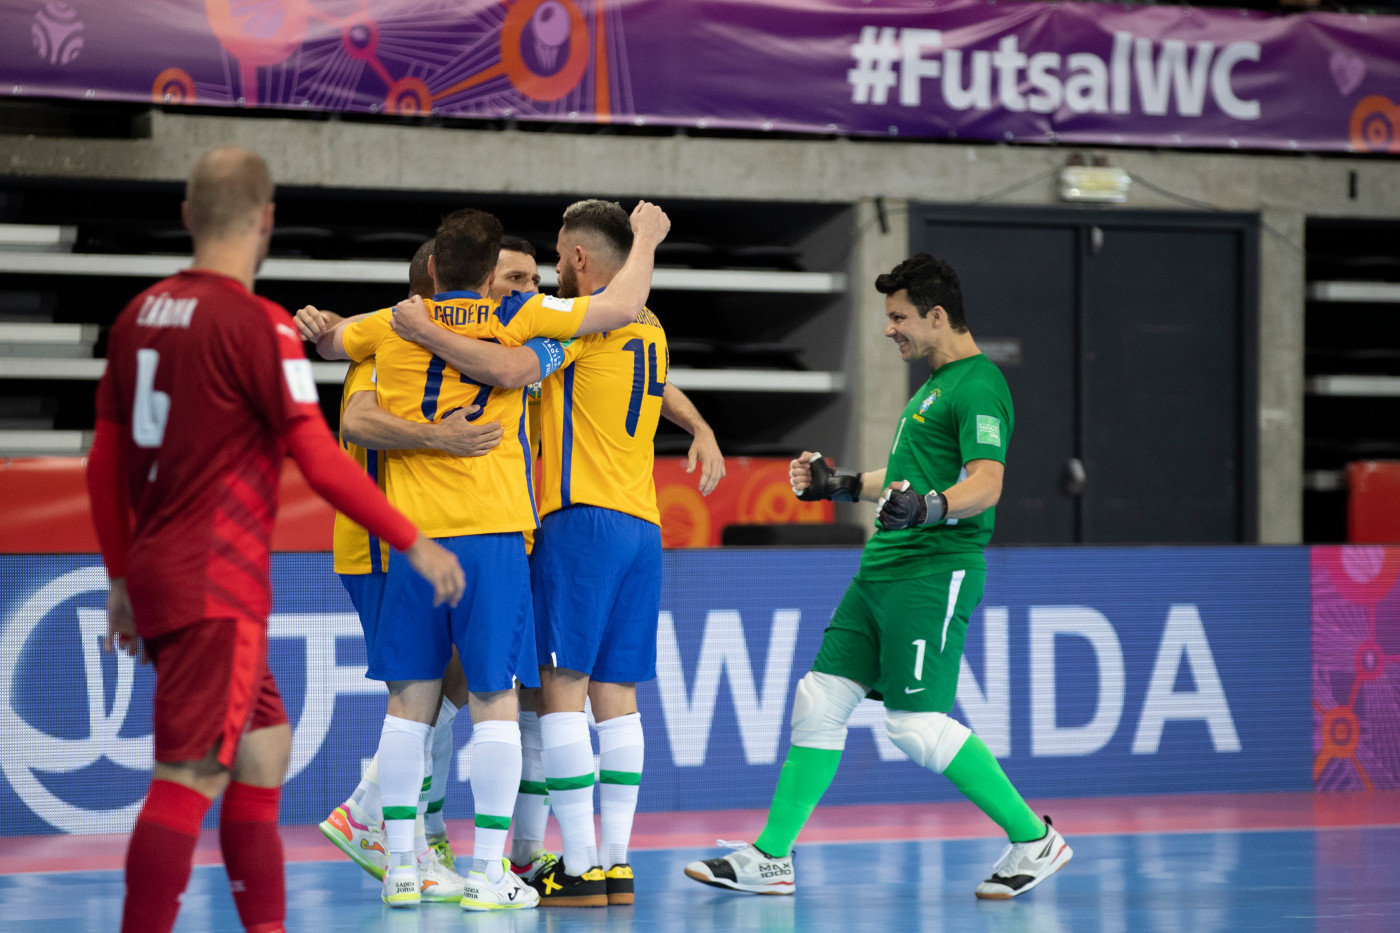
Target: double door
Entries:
(1127, 341)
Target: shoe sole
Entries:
(621, 898)
(402, 901)
(484, 906)
(743, 889)
(997, 896)
(343, 844)
(581, 900)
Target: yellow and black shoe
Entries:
(619, 880)
(558, 888)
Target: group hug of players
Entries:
(577, 619)
(207, 389)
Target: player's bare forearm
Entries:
(978, 492)
(366, 425)
(872, 485)
(677, 408)
(488, 363)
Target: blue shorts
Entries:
(596, 575)
(366, 595)
(492, 627)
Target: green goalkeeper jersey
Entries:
(962, 413)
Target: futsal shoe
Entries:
(541, 860)
(361, 841)
(619, 883)
(1026, 864)
(747, 869)
(438, 883)
(558, 888)
(439, 844)
(508, 893)
(401, 887)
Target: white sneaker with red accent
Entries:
(1026, 864)
(746, 869)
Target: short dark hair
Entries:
(605, 218)
(420, 283)
(930, 282)
(518, 244)
(465, 248)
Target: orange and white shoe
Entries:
(362, 842)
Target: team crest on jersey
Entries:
(929, 400)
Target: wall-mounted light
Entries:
(1097, 183)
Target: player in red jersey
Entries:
(206, 390)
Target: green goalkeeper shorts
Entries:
(903, 639)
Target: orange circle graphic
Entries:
(526, 79)
(1375, 125)
(685, 521)
(408, 96)
(173, 86)
(767, 499)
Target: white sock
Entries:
(366, 796)
(442, 768)
(420, 833)
(401, 757)
(568, 767)
(620, 754)
(495, 780)
(532, 803)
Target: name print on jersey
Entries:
(163, 311)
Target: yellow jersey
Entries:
(598, 417)
(356, 550)
(446, 495)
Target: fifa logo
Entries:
(57, 33)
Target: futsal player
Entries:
(900, 627)
(206, 390)
(361, 560)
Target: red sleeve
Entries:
(107, 493)
(342, 483)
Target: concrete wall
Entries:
(1283, 189)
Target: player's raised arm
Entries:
(626, 294)
(485, 362)
(677, 408)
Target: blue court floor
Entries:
(1222, 882)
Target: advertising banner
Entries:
(944, 69)
(1356, 668)
(1093, 671)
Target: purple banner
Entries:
(945, 69)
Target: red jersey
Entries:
(205, 379)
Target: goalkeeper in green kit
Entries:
(899, 630)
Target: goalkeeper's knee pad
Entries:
(823, 704)
(929, 739)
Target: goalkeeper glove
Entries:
(900, 508)
(836, 485)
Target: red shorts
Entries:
(212, 685)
